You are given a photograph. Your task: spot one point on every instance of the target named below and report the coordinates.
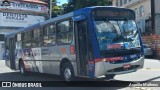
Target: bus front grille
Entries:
(120, 69)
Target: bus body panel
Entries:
(47, 59)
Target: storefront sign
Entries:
(8, 19)
(26, 6)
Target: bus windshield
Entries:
(117, 34)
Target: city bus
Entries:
(90, 42)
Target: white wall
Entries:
(1, 50)
(157, 6)
(19, 20)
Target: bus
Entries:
(90, 42)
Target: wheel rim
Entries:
(67, 74)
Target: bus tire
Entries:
(22, 68)
(110, 76)
(67, 72)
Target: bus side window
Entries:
(26, 39)
(65, 32)
(37, 40)
(52, 35)
(49, 37)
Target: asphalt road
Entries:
(150, 72)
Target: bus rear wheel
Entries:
(22, 68)
(67, 72)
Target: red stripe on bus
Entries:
(114, 59)
(98, 60)
(72, 50)
(108, 59)
(91, 62)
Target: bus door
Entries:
(82, 47)
(12, 52)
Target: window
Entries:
(26, 37)
(116, 2)
(125, 1)
(136, 11)
(36, 40)
(49, 35)
(121, 3)
(130, 0)
(65, 32)
(141, 10)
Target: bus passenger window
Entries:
(46, 41)
(65, 32)
(52, 39)
(36, 41)
(52, 29)
(26, 39)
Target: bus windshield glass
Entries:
(117, 34)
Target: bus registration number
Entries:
(126, 66)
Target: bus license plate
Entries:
(126, 66)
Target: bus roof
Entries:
(60, 17)
(11, 34)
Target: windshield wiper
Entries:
(111, 26)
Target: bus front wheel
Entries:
(67, 72)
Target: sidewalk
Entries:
(152, 63)
(3, 67)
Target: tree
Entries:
(56, 10)
(86, 3)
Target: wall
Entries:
(9, 19)
(136, 4)
(157, 6)
(157, 23)
(154, 42)
(157, 16)
(1, 50)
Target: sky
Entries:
(62, 2)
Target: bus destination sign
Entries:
(113, 14)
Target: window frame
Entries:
(141, 11)
(49, 34)
(70, 31)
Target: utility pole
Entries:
(153, 16)
(50, 9)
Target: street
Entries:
(150, 72)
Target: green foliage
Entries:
(56, 10)
(77, 4)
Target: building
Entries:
(16, 14)
(21, 13)
(148, 19)
(142, 10)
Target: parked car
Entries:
(148, 51)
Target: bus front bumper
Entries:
(104, 68)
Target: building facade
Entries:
(142, 10)
(16, 14)
(148, 19)
(21, 13)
